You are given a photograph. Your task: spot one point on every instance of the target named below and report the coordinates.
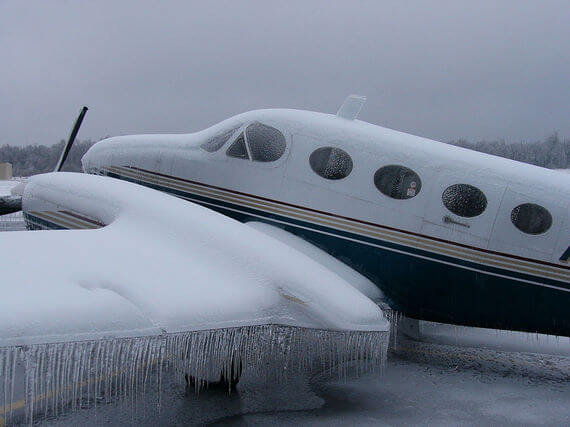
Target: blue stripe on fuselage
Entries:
(424, 284)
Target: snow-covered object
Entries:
(160, 265)
(164, 280)
(448, 234)
(351, 276)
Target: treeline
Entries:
(553, 153)
(33, 159)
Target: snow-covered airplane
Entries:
(448, 234)
(334, 209)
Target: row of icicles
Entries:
(48, 379)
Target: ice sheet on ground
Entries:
(423, 384)
(161, 265)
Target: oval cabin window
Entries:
(464, 200)
(331, 162)
(531, 219)
(266, 143)
(397, 182)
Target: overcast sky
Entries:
(440, 69)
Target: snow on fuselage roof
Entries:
(365, 137)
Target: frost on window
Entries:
(464, 200)
(397, 182)
(531, 219)
(331, 163)
(266, 143)
(238, 149)
(217, 141)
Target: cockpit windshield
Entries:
(217, 141)
(266, 144)
(259, 143)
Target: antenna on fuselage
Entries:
(351, 107)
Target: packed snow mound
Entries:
(160, 265)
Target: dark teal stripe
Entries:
(423, 288)
(228, 208)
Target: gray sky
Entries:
(440, 69)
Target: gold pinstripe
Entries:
(80, 223)
(46, 216)
(63, 220)
(347, 225)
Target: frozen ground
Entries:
(423, 383)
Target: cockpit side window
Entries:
(266, 143)
(218, 140)
(238, 148)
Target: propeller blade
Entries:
(10, 204)
(72, 136)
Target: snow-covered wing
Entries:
(159, 265)
(351, 276)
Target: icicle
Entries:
(394, 317)
(61, 376)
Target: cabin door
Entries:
(463, 209)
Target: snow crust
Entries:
(161, 265)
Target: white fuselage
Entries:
(287, 192)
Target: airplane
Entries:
(331, 214)
(447, 234)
